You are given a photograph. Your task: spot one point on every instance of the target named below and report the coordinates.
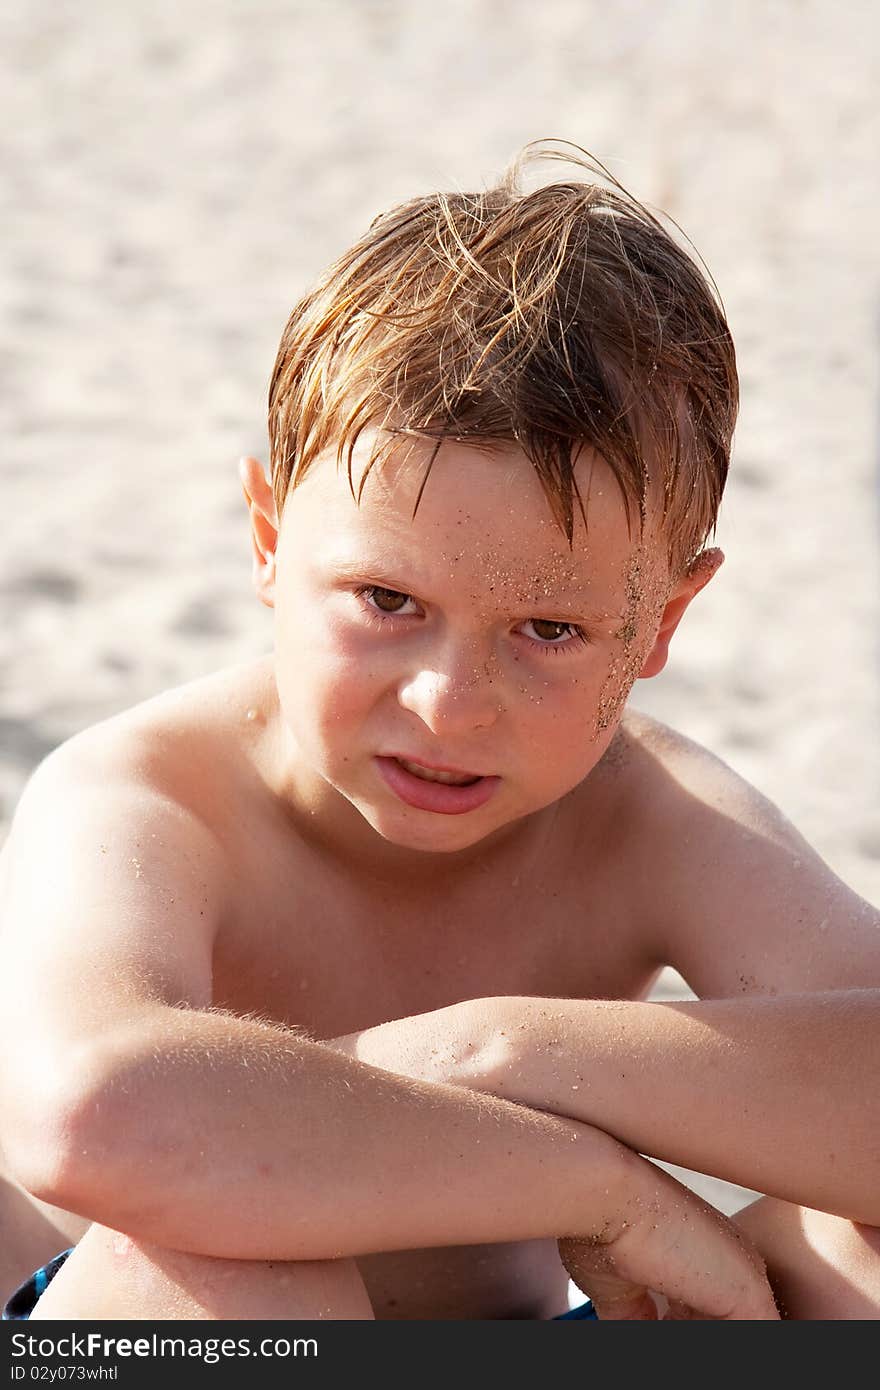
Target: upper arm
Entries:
(109, 897)
(745, 904)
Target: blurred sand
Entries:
(173, 177)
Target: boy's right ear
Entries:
(264, 527)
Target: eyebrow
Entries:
(377, 572)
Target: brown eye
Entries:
(548, 631)
(387, 600)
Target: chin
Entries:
(429, 839)
(434, 835)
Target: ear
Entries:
(695, 578)
(264, 527)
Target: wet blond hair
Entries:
(555, 319)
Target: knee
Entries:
(822, 1267)
(110, 1275)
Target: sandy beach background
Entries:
(173, 176)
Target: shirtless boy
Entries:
(325, 977)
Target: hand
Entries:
(655, 1233)
(671, 1242)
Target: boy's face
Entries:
(469, 639)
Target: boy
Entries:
(326, 974)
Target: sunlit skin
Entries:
(469, 636)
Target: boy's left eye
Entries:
(547, 631)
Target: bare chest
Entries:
(307, 946)
(310, 946)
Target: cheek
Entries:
(584, 715)
(560, 747)
(558, 716)
(621, 675)
(326, 674)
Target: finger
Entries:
(670, 1241)
(632, 1304)
(680, 1312)
(614, 1298)
(687, 1251)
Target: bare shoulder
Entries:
(190, 743)
(664, 784)
(739, 901)
(115, 874)
(696, 806)
(174, 771)
(668, 797)
(688, 782)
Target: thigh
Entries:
(110, 1276)
(821, 1267)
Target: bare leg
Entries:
(111, 1276)
(31, 1233)
(820, 1267)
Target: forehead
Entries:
(483, 517)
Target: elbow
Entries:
(40, 1153)
(56, 1139)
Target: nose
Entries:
(457, 695)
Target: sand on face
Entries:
(175, 176)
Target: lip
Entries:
(438, 797)
(435, 767)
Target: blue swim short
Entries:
(20, 1306)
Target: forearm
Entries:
(777, 1094)
(229, 1137)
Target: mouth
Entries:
(451, 777)
(445, 791)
